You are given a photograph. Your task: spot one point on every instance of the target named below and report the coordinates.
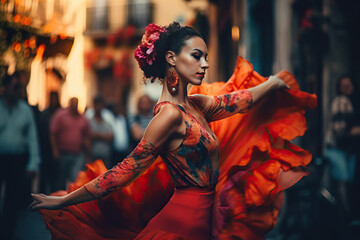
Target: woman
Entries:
(179, 132)
(340, 144)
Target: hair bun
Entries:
(156, 41)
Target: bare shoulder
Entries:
(170, 114)
(202, 100)
(167, 121)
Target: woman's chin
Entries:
(197, 83)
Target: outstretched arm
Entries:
(273, 83)
(240, 101)
(160, 130)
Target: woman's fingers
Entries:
(37, 206)
(31, 205)
(44, 202)
(282, 82)
(279, 82)
(37, 203)
(35, 196)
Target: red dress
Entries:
(256, 163)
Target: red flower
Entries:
(144, 53)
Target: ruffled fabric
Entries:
(121, 215)
(257, 159)
(257, 162)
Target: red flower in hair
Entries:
(144, 53)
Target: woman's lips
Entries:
(201, 74)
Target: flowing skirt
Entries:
(257, 162)
(187, 215)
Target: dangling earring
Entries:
(172, 80)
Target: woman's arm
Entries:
(240, 101)
(42, 201)
(160, 130)
(273, 83)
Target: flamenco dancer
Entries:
(234, 194)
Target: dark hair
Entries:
(171, 40)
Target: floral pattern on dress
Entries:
(125, 172)
(227, 105)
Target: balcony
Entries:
(106, 17)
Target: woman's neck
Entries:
(180, 97)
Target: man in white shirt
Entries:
(19, 152)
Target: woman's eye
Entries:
(196, 57)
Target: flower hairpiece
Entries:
(145, 54)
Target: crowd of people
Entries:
(102, 132)
(45, 150)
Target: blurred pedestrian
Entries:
(48, 168)
(340, 143)
(122, 135)
(19, 152)
(141, 119)
(70, 141)
(102, 134)
(106, 114)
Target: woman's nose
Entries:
(204, 64)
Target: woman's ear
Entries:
(170, 57)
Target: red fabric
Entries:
(174, 219)
(255, 154)
(257, 161)
(121, 215)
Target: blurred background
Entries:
(82, 50)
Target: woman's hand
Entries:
(42, 201)
(274, 82)
(277, 82)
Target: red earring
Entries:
(172, 80)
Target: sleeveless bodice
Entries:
(195, 161)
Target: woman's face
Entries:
(346, 86)
(191, 62)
